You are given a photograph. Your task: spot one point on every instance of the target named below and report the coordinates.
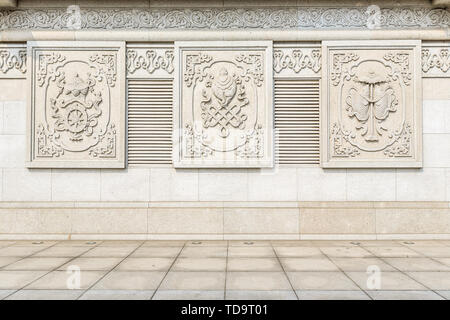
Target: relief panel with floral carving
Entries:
(223, 100)
(77, 105)
(371, 104)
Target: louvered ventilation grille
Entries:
(150, 121)
(297, 121)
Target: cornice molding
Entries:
(225, 18)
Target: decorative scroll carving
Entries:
(77, 106)
(298, 60)
(225, 18)
(372, 106)
(150, 60)
(13, 59)
(436, 61)
(223, 105)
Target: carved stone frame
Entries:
(415, 161)
(116, 130)
(267, 160)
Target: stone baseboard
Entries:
(224, 220)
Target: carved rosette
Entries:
(224, 105)
(13, 61)
(373, 105)
(77, 104)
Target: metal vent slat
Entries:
(297, 121)
(150, 121)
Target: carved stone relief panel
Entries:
(77, 104)
(150, 60)
(223, 104)
(436, 59)
(297, 60)
(13, 61)
(371, 104)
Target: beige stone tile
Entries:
(317, 184)
(378, 243)
(257, 281)
(261, 220)
(12, 89)
(79, 185)
(193, 281)
(189, 295)
(34, 243)
(436, 88)
(125, 185)
(130, 280)
(46, 295)
(18, 251)
(436, 150)
(6, 243)
(332, 295)
(78, 243)
(4, 261)
(203, 252)
(260, 295)
(393, 252)
(445, 261)
(291, 243)
(14, 117)
(404, 295)
(5, 293)
(162, 252)
(361, 264)
(346, 252)
(117, 295)
(92, 264)
(322, 281)
(12, 155)
(206, 243)
(41, 263)
(298, 252)
(110, 252)
(199, 264)
(330, 243)
(308, 264)
(62, 252)
(364, 185)
(416, 264)
(251, 252)
(20, 184)
(62, 280)
(277, 185)
(169, 184)
(435, 252)
(222, 185)
(432, 280)
(444, 293)
(427, 184)
(145, 264)
(253, 264)
(388, 281)
(337, 221)
(35, 221)
(164, 243)
(421, 243)
(185, 220)
(18, 279)
(249, 243)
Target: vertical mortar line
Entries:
(226, 273)
(168, 270)
(31, 255)
(110, 270)
(284, 271)
(341, 270)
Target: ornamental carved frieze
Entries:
(223, 104)
(436, 60)
(297, 61)
(149, 61)
(77, 104)
(13, 61)
(371, 100)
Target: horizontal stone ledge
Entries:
(204, 35)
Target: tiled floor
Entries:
(225, 270)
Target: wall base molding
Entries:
(224, 220)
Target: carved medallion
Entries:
(77, 104)
(224, 102)
(371, 104)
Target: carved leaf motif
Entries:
(338, 61)
(194, 144)
(43, 68)
(401, 59)
(437, 60)
(10, 60)
(340, 143)
(109, 71)
(106, 148)
(150, 62)
(253, 147)
(254, 69)
(192, 73)
(297, 60)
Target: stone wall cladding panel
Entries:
(223, 104)
(13, 61)
(76, 112)
(225, 18)
(371, 104)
